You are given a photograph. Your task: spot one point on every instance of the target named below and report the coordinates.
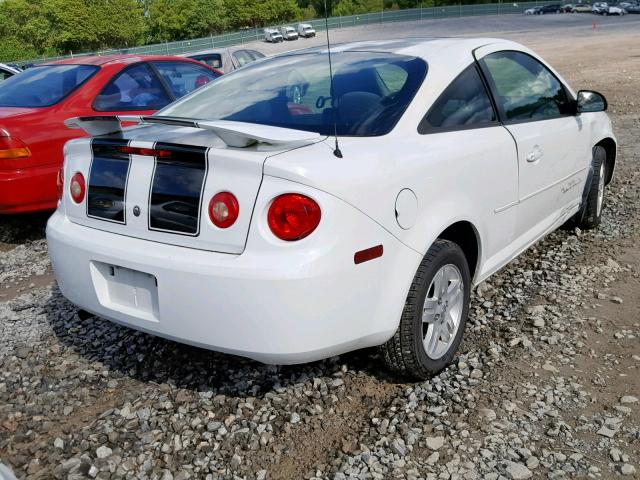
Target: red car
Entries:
(35, 104)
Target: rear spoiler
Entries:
(234, 134)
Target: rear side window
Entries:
(43, 86)
(212, 59)
(255, 54)
(182, 77)
(464, 104)
(242, 57)
(134, 88)
(525, 89)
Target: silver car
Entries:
(226, 59)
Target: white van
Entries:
(288, 32)
(305, 30)
(272, 35)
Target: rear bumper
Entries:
(275, 306)
(28, 190)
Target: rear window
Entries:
(371, 91)
(212, 59)
(43, 86)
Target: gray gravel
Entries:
(545, 385)
(86, 398)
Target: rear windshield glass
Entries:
(43, 86)
(371, 91)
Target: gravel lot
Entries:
(547, 384)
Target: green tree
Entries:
(117, 23)
(182, 19)
(258, 13)
(167, 19)
(209, 17)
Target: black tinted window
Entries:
(525, 89)
(184, 78)
(371, 92)
(135, 88)
(43, 86)
(465, 103)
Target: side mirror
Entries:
(589, 101)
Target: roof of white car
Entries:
(419, 47)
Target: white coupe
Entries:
(285, 216)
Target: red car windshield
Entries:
(43, 86)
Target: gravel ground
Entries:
(547, 384)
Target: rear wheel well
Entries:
(465, 236)
(610, 147)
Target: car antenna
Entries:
(336, 151)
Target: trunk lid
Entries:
(163, 194)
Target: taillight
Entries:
(224, 209)
(12, 148)
(60, 183)
(77, 187)
(293, 216)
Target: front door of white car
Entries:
(536, 108)
(463, 124)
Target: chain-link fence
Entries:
(257, 34)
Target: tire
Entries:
(405, 353)
(590, 214)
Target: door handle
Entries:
(534, 155)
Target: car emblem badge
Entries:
(136, 211)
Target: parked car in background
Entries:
(582, 8)
(35, 104)
(226, 59)
(545, 9)
(288, 32)
(532, 11)
(567, 8)
(272, 35)
(248, 231)
(305, 30)
(614, 10)
(7, 71)
(602, 8)
(633, 8)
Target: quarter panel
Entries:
(462, 175)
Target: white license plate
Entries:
(125, 290)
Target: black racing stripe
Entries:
(108, 178)
(175, 197)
